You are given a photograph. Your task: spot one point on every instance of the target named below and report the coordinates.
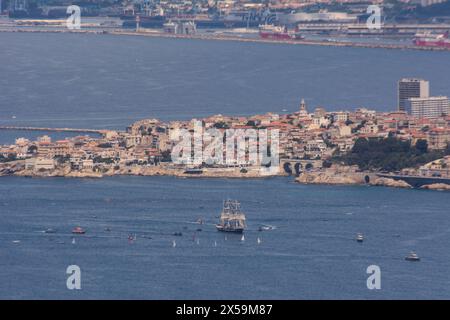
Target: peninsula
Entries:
(339, 147)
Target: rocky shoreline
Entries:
(346, 175)
(337, 175)
(17, 168)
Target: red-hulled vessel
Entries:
(430, 40)
(78, 230)
(269, 31)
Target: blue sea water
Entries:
(108, 81)
(311, 252)
(92, 81)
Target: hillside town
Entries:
(314, 139)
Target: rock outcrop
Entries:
(386, 182)
(437, 186)
(333, 175)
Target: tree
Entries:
(447, 149)
(326, 164)
(221, 125)
(10, 157)
(422, 146)
(105, 145)
(251, 123)
(32, 149)
(388, 154)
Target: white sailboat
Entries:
(243, 238)
(73, 240)
(258, 240)
(174, 243)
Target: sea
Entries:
(144, 239)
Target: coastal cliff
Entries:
(18, 168)
(335, 175)
(347, 175)
(437, 186)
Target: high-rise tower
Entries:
(411, 88)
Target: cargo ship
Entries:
(231, 219)
(270, 31)
(430, 40)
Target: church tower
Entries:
(303, 110)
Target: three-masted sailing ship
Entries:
(232, 219)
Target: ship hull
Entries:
(435, 44)
(267, 35)
(230, 230)
(282, 36)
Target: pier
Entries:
(96, 131)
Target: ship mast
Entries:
(231, 215)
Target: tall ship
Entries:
(270, 31)
(430, 40)
(232, 219)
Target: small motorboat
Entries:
(177, 234)
(359, 237)
(412, 257)
(265, 228)
(78, 230)
(50, 230)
